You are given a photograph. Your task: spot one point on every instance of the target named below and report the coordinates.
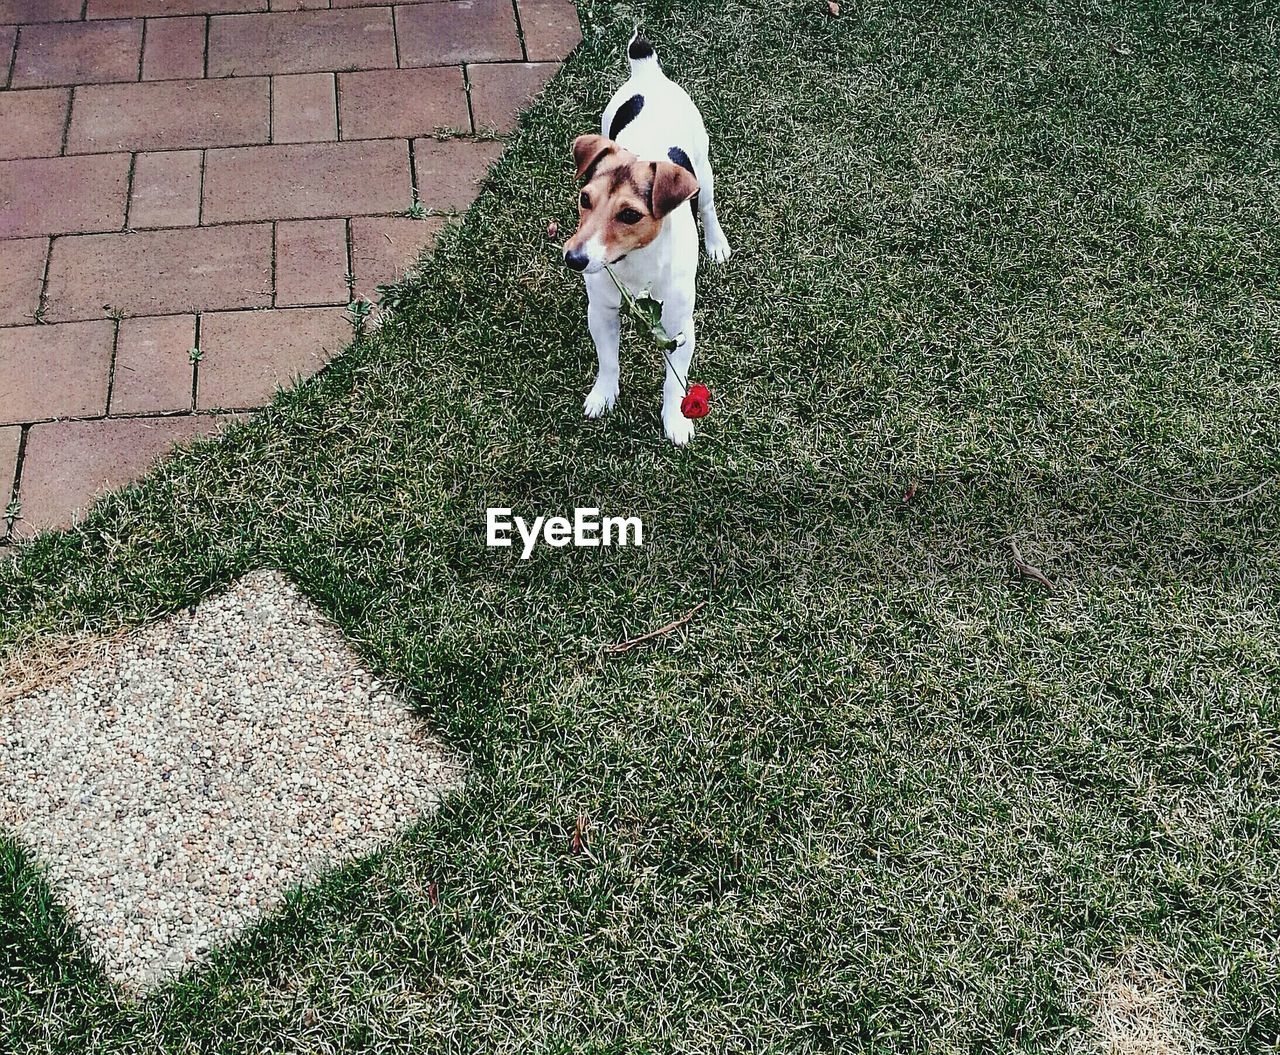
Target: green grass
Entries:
(883, 793)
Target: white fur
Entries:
(668, 266)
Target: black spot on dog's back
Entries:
(682, 159)
(640, 48)
(626, 114)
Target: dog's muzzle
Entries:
(576, 259)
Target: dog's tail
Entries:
(640, 52)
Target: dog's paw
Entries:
(599, 402)
(718, 247)
(679, 429)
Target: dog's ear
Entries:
(673, 185)
(588, 150)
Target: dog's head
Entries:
(622, 203)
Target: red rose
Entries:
(696, 403)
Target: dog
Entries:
(650, 159)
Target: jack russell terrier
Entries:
(651, 158)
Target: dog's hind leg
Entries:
(605, 326)
(712, 234)
(705, 200)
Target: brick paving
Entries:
(223, 175)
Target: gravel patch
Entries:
(187, 776)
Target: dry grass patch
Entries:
(1138, 1010)
(32, 669)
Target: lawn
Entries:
(883, 793)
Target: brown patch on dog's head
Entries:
(589, 151)
(672, 185)
(623, 202)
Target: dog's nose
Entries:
(576, 259)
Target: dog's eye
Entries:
(629, 216)
(584, 199)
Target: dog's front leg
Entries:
(603, 322)
(677, 320)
